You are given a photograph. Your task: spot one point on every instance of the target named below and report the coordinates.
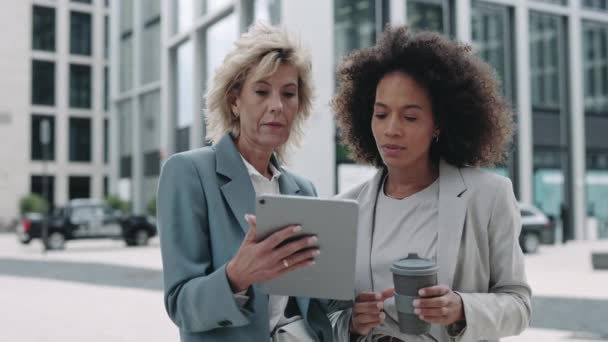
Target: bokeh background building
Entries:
(54, 62)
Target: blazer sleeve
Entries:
(193, 289)
(505, 310)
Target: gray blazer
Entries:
(203, 196)
(478, 252)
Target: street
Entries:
(100, 290)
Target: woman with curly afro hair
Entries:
(428, 113)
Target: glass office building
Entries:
(550, 56)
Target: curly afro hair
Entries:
(474, 120)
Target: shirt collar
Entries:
(254, 172)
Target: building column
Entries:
(114, 134)
(463, 20)
(577, 123)
(167, 83)
(318, 38)
(137, 174)
(524, 103)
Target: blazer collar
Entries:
(238, 190)
(452, 208)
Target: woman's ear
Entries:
(233, 101)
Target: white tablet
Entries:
(334, 222)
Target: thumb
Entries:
(388, 293)
(250, 236)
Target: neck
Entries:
(258, 157)
(404, 182)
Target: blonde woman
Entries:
(256, 105)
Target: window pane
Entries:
(268, 11)
(37, 152)
(545, 35)
(214, 5)
(106, 186)
(151, 57)
(43, 32)
(596, 4)
(126, 63)
(183, 14)
(80, 86)
(80, 187)
(185, 102)
(43, 83)
(106, 88)
(126, 16)
(80, 33)
(151, 11)
(80, 139)
(595, 66)
(425, 16)
(106, 140)
(220, 39)
(106, 36)
(150, 132)
(355, 26)
(37, 186)
(124, 138)
(491, 39)
(556, 2)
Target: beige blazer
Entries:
(478, 253)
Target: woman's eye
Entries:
(380, 115)
(261, 92)
(410, 118)
(289, 94)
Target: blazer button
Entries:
(224, 323)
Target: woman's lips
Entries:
(391, 150)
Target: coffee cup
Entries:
(410, 275)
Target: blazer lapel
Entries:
(452, 211)
(367, 203)
(238, 190)
(287, 185)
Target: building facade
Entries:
(551, 57)
(55, 73)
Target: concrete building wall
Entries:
(16, 109)
(14, 106)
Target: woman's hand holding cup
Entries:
(440, 305)
(368, 311)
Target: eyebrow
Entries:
(409, 106)
(268, 84)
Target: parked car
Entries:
(87, 219)
(536, 228)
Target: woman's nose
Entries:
(393, 126)
(276, 103)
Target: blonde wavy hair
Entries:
(258, 53)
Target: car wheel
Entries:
(140, 237)
(56, 241)
(530, 243)
(25, 240)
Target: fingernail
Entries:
(422, 292)
(316, 252)
(417, 311)
(378, 296)
(312, 240)
(421, 317)
(312, 262)
(297, 229)
(416, 302)
(382, 315)
(380, 305)
(247, 217)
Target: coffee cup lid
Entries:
(414, 265)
